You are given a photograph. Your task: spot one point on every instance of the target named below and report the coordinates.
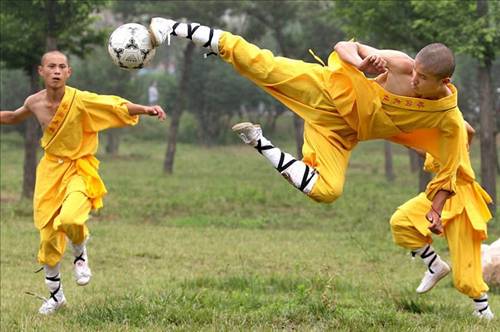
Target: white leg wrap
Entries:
(53, 282)
(428, 255)
(201, 35)
(302, 176)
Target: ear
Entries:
(446, 80)
(40, 70)
(70, 71)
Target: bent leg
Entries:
(74, 212)
(323, 152)
(405, 234)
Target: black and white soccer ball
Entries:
(130, 46)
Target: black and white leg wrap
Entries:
(481, 303)
(54, 285)
(79, 258)
(201, 35)
(428, 255)
(295, 171)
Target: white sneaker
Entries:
(484, 314)
(160, 29)
(81, 269)
(441, 269)
(50, 306)
(248, 132)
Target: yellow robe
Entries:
(70, 142)
(341, 107)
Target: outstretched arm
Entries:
(136, 109)
(374, 61)
(14, 117)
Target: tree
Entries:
(49, 24)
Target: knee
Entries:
(399, 232)
(324, 194)
(66, 217)
(396, 219)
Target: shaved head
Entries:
(437, 59)
(51, 53)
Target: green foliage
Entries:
(26, 25)
(410, 25)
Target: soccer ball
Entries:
(130, 46)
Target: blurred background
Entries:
(204, 97)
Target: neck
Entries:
(55, 94)
(442, 92)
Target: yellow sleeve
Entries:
(103, 111)
(430, 164)
(453, 139)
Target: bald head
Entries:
(51, 54)
(437, 59)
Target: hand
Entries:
(155, 111)
(434, 218)
(373, 64)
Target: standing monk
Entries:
(68, 185)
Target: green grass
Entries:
(226, 244)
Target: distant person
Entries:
(411, 102)
(465, 216)
(68, 185)
(153, 94)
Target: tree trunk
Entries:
(180, 104)
(51, 41)
(31, 136)
(414, 163)
(113, 142)
(423, 176)
(389, 169)
(487, 119)
(298, 123)
(487, 133)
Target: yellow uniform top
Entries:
(70, 142)
(436, 126)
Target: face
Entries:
(54, 70)
(424, 83)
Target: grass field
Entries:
(226, 244)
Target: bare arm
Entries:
(14, 117)
(136, 109)
(434, 214)
(363, 56)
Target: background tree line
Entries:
(208, 96)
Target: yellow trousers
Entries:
(71, 219)
(304, 89)
(464, 242)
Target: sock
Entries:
(53, 282)
(481, 303)
(428, 255)
(300, 175)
